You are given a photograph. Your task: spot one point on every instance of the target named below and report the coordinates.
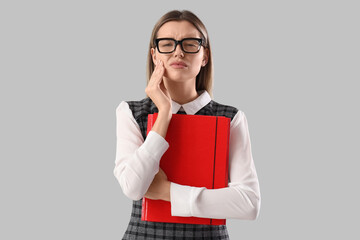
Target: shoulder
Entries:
(224, 110)
(138, 108)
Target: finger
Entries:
(155, 80)
(158, 66)
(157, 75)
(159, 69)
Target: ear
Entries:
(153, 55)
(205, 57)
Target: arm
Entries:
(137, 161)
(240, 200)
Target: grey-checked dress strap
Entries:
(138, 229)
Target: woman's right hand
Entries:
(157, 91)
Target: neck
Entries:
(181, 92)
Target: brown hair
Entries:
(204, 79)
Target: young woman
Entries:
(180, 80)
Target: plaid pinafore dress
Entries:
(138, 229)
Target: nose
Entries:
(178, 51)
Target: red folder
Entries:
(197, 156)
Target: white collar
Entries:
(194, 106)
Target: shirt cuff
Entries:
(182, 198)
(155, 145)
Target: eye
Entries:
(191, 45)
(166, 43)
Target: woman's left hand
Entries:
(159, 188)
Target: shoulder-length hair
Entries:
(204, 80)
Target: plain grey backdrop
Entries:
(291, 66)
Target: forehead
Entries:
(178, 30)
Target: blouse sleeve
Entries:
(241, 199)
(136, 161)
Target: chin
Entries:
(179, 77)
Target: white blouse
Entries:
(137, 162)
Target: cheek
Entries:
(158, 57)
(197, 64)
(165, 60)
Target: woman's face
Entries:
(180, 66)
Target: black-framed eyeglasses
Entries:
(188, 45)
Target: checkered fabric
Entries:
(138, 229)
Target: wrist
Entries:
(165, 114)
(162, 123)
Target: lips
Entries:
(178, 64)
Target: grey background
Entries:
(291, 66)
